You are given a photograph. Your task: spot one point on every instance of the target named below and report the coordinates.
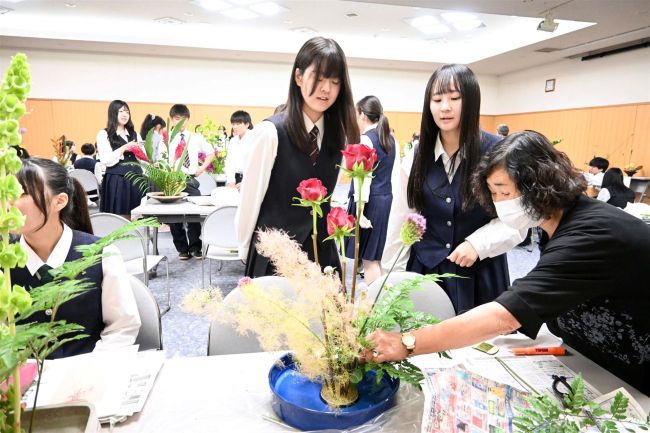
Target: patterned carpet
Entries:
(187, 335)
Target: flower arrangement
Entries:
(62, 150)
(324, 324)
(631, 169)
(216, 136)
(164, 176)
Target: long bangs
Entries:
(446, 81)
(330, 63)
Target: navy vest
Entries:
(85, 164)
(121, 167)
(621, 198)
(381, 182)
(292, 166)
(447, 224)
(84, 310)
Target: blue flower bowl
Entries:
(297, 401)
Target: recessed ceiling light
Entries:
(424, 20)
(13, 1)
(435, 29)
(71, 5)
(4, 10)
(267, 8)
(239, 14)
(243, 2)
(213, 5)
(305, 30)
(168, 20)
(462, 21)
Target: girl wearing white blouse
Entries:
(119, 194)
(304, 141)
(56, 221)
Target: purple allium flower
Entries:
(413, 229)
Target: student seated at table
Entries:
(591, 284)
(614, 191)
(597, 168)
(56, 221)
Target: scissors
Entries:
(557, 380)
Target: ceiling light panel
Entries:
(422, 21)
(213, 5)
(435, 29)
(239, 14)
(267, 8)
(243, 2)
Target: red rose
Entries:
(312, 189)
(138, 152)
(339, 219)
(359, 153)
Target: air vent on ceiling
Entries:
(613, 49)
(548, 50)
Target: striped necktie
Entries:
(182, 144)
(313, 145)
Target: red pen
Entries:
(557, 351)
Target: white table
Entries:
(640, 184)
(183, 211)
(230, 393)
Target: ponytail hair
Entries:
(38, 175)
(371, 107)
(150, 121)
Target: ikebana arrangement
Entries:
(324, 324)
(62, 150)
(215, 135)
(165, 177)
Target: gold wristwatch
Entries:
(408, 340)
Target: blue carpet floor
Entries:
(187, 335)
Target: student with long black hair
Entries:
(436, 181)
(119, 194)
(303, 141)
(376, 193)
(157, 123)
(57, 221)
(613, 190)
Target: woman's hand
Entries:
(126, 146)
(364, 222)
(387, 347)
(464, 255)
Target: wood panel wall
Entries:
(81, 120)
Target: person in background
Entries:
(376, 192)
(597, 168)
(591, 285)
(87, 159)
(119, 194)
(187, 242)
(503, 130)
(461, 237)
(57, 221)
(238, 148)
(613, 190)
(151, 121)
(304, 141)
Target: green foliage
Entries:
(576, 414)
(394, 310)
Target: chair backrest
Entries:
(104, 223)
(430, 299)
(206, 183)
(86, 179)
(223, 338)
(150, 335)
(219, 228)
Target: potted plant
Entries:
(167, 179)
(325, 325)
(20, 339)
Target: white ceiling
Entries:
(379, 36)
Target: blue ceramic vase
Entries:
(297, 400)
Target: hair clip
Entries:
(153, 116)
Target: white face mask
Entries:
(513, 214)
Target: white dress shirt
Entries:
(194, 142)
(595, 180)
(119, 310)
(263, 150)
(238, 155)
(604, 195)
(491, 240)
(107, 155)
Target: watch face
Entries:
(408, 340)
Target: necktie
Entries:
(313, 144)
(186, 161)
(43, 274)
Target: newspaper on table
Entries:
(116, 382)
(460, 399)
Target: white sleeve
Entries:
(264, 149)
(604, 195)
(107, 155)
(495, 238)
(205, 146)
(119, 310)
(365, 189)
(99, 174)
(231, 162)
(398, 211)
